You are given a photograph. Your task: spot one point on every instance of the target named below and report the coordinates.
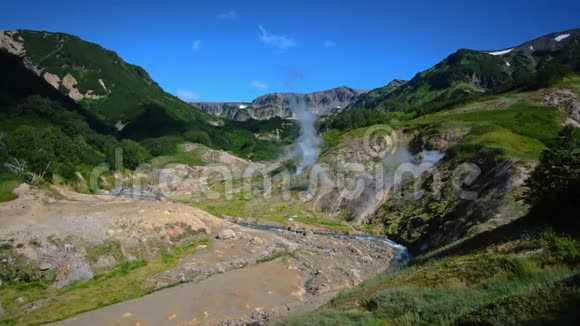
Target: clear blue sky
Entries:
(217, 51)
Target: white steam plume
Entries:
(309, 142)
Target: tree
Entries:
(554, 186)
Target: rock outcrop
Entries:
(13, 44)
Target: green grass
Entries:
(510, 144)
(109, 248)
(527, 120)
(518, 131)
(571, 82)
(333, 138)
(496, 302)
(6, 189)
(192, 158)
(275, 210)
(274, 256)
(497, 285)
(128, 280)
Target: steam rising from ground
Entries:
(371, 197)
(309, 142)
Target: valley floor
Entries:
(151, 263)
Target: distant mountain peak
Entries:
(548, 43)
(467, 73)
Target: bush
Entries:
(562, 248)
(166, 145)
(197, 136)
(132, 154)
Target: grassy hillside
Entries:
(501, 141)
(44, 131)
(126, 88)
(124, 96)
(502, 134)
(529, 279)
(524, 272)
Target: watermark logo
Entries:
(386, 168)
(380, 141)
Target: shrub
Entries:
(166, 145)
(521, 267)
(562, 248)
(197, 136)
(133, 154)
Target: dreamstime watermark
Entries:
(375, 164)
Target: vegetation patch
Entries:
(6, 189)
(494, 285)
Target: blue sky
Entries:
(238, 50)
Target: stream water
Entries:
(402, 254)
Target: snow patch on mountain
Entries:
(502, 52)
(561, 37)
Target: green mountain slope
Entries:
(46, 132)
(466, 74)
(98, 78)
(511, 254)
(525, 272)
(123, 96)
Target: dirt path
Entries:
(225, 296)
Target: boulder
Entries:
(354, 277)
(367, 259)
(239, 263)
(226, 234)
(293, 227)
(355, 250)
(45, 267)
(257, 241)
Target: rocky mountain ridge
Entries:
(278, 104)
